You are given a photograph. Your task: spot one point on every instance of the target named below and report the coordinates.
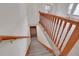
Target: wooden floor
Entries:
(38, 49)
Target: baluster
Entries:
(58, 30)
(61, 33)
(65, 36)
(53, 27)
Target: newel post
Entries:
(72, 41)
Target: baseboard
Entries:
(28, 50)
(50, 50)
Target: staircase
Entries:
(36, 48)
(63, 33)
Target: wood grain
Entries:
(73, 38)
(12, 37)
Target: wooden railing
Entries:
(12, 37)
(63, 32)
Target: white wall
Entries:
(60, 9)
(12, 18)
(9, 16)
(33, 13)
(41, 37)
(13, 21)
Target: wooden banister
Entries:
(55, 26)
(62, 18)
(12, 37)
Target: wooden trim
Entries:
(50, 50)
(73, 39)
(27, 53)
(32, 26)
(12, 37)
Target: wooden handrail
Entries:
(55, 26)
(12, 37)
(75, 21)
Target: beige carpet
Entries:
(37, 49)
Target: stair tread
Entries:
(38, 49)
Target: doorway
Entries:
(33, 31)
